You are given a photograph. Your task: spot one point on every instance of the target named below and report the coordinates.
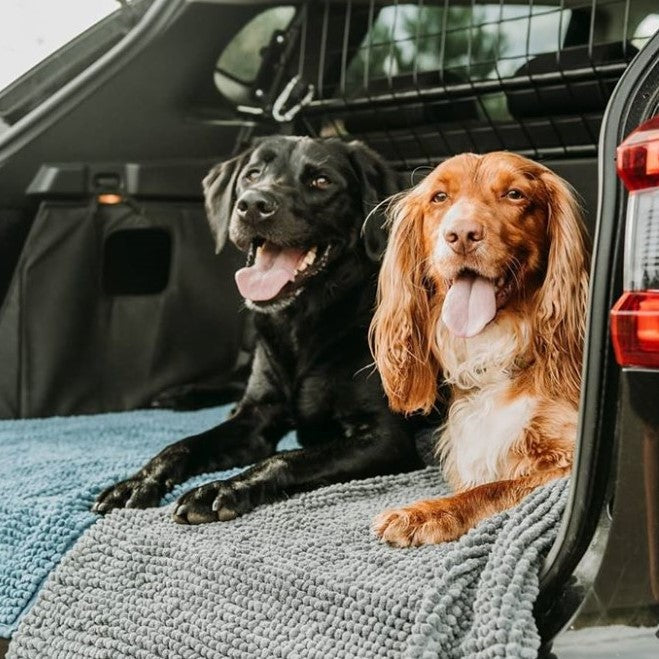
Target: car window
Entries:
(489, 40)
(31, 30)
(481, 41)
(646, 28)
(241, 58)
(44, 44)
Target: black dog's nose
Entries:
(255, 205)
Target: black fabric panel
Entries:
(14, 228)
(77, 349)
(9, 351)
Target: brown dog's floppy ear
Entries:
(220, 195)
(402, 332)
(377, 182)
(562, 301)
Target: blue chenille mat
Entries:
(50, 473)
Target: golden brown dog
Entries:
(484, 284)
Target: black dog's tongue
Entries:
(273, 268)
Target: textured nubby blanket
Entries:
(301, 578)
(50, 472)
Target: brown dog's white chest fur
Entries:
(485, 421)
(482, 429)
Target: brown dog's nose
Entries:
(463, 236)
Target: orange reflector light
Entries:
(635, 329)
(109, 199)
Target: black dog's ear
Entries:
(220, 195)
(378, 183)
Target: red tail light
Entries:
(635, 329)
(635, 317)
(638, 157)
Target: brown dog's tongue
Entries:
(273, 268)
(470, 304)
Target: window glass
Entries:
(44, 44)
(479, 41)
(647, 28)
(30, 30)
(241, 59)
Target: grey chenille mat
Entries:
(302, 578)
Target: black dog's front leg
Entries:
(297, 471)
(250, 435)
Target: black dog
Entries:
(296, 206)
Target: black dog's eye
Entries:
(439, 197)
(514, 194)
(320, 182)
(252, 175)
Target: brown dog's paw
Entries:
(422, 523)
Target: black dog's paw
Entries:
(136, 492)
(219, 500)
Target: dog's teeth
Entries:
(310, 256)
(306, 260)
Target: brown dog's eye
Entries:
(439, 197)
(252, 175)
(320, 182)
(514, 194)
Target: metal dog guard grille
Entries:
(423, 81)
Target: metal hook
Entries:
(284, 97)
